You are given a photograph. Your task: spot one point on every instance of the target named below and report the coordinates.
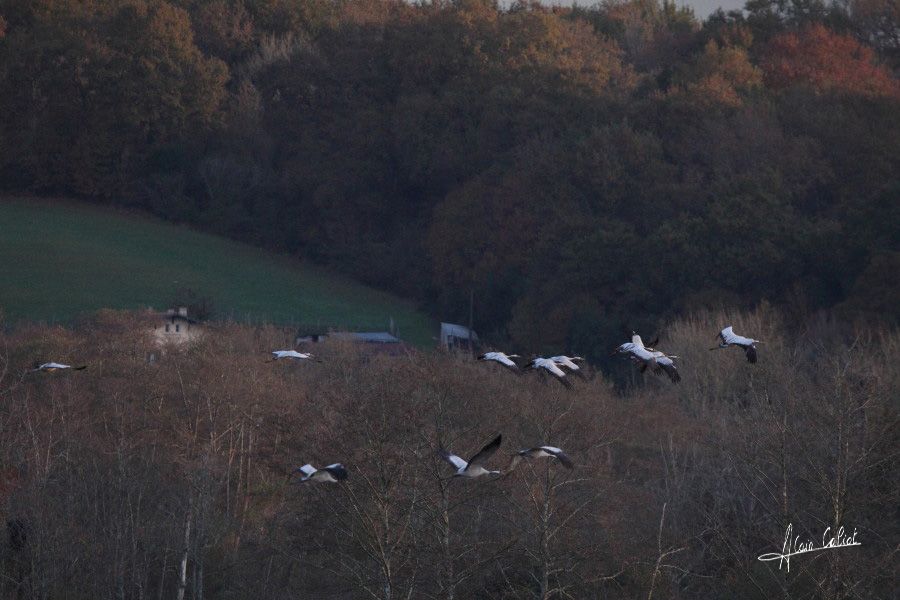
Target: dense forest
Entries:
(173, 478)
(574, 173)
(577, 171)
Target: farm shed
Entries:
(455, 336)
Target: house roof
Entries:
(457, 331)
(177, 317)
(376, 337)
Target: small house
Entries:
(176, 327)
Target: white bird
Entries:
(541, 452)
(52, 367)
(504, 359)
(475, 466)
(280, 354)
(658, 362)
(330, 474)
(727, 337)
(550, 366)
(569, 362)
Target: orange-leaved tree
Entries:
(827, 62)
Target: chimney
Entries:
(182, 311)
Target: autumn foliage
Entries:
(827, 62)
(573, 170)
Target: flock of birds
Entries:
(645, 357)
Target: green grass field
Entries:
(60, 259)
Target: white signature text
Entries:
(793, 547)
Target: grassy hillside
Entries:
(62, 259)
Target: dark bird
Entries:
(541, 452)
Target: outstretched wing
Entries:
(565, 361)
(668, 366)
(751, 354)
(506, 361)
(559, 454)
(337, 470)
(453, 459)
(726, 335)
(552, 367)
(306, 470)
(501, 358)
(548, 365)
(486, 452)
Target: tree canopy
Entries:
(574, 169)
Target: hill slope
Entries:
(62, 259)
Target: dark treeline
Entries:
(570, 168)
(172, 479)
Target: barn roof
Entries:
(375, 337)
(457, 331)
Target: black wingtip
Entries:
(494, 443)
(566, 461)
(751, 355)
